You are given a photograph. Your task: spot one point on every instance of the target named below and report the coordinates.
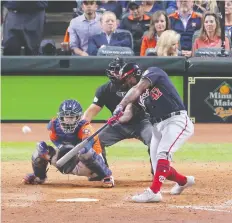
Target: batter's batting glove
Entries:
(118, 111)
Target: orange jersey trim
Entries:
(145, 17)
(86, 131)
(66, 37)
(176, 15)
(52, 133)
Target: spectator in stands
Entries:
(210, 33)
(83, 27)
(151, 6)
(23, 27)
(228, 17)
(203, 6)
(137, 23)
(159, 23)
(109, 35)
(167, 44)
(113, 6)
(185, 22)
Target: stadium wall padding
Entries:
(38, 97)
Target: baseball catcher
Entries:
(66, 131)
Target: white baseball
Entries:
(26, 129)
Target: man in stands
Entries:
(109, 35)
(83, 27)
(185, 22)
(137, 23)
(23, 27)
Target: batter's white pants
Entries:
(168, 136)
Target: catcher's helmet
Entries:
(69, 115)
(119, 70)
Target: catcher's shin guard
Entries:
(94, 162)
(71, 164)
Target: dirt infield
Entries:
(210, 200)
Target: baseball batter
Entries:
(110, 94)
(171, 126)
(66, 131)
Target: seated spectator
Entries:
(210, 33)
(109, 35)
(159, 23)
(167, 44)
(202, 6)
(228, 18)
(113, 6)
(83, 27)
(23, 27)
(185, 22)
(151, 6)
(137, 23)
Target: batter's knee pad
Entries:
(94, 162)
(70, 165)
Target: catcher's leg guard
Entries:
(71, 164)
(94, 162)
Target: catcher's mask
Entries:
(69, 115)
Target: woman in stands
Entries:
(228, 18)
(210, 34)
(159, 23)
(168, 43)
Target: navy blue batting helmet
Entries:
(69, 115)
(119, 70)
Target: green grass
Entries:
(132, 151)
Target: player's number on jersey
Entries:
(155, 93)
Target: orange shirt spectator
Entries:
(210, 43)
(210, 34)
(158, 24)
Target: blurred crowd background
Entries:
(141, 28)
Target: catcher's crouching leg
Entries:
(96, 164)
(40, 159)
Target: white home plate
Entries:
(77, 200)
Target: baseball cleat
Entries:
(148, 196)
(29, 178)
(108, 182)
(32, 179)
(177, 189)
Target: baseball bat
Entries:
(64, 159)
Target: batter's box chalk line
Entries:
(215, 208)
(79, 199)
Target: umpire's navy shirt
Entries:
(108, 95)
(161, 98)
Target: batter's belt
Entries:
(157, 120)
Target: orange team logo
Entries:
(224, 89)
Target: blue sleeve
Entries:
(92, 47)
(152, 74)
(171, 6)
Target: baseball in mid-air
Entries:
(26, 129)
